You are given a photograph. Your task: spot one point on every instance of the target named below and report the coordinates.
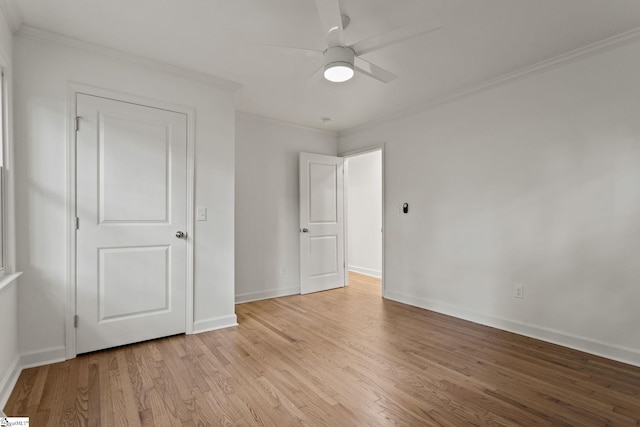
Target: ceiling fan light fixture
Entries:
(338, 72)
(338, 62)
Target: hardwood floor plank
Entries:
(335, 358)
(74, 396)
(208, 410)
(125, 410)
(166, 386)
(82, 391)
(93, 392)
(106, 405)
(56, 404)
(38, 387)
(139, 377)
(21, 397)
(49, 389)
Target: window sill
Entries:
(8, 279)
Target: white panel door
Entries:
(321, 223)
(131, 202)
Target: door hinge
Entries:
(77, 223)
(76, 123)
(75, 321)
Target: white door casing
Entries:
(322, 260)
(131, 199)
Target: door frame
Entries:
(346, 155)
(74, 89)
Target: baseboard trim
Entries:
(366, 271)
(42, 357)
(214, 323)
(257, 296)
(24, 361)
(610, 351)
(9, 382)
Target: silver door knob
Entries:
(305, 230)
(180, 235)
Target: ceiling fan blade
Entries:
(299, 51)
(329, 11)
(315, 72)
(373, 70)
(395, 36)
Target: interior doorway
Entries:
(364, 213)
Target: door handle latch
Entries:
(180, 235)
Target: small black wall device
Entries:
(405, 208)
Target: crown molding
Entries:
(611, 43)
(11, 14)
(255, 116)
(33, 33)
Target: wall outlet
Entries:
(518, 291)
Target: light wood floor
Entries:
(344, 357)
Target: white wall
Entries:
(267, 211)
(364, 213)
(42, 70)
(536, 182)
(6, 41)
(9, 355)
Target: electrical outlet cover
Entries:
(518, 291)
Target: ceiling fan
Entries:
(340, 62)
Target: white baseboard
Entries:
(366, 271)
(24, 361)
(275, 293)
(9, 382)
(42, 357)
(610, 351)
(214, 323)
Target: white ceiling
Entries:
(479, 40)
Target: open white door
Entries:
(322, 262)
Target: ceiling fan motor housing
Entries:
(338, 56)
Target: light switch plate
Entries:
(202, 214)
